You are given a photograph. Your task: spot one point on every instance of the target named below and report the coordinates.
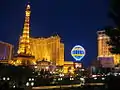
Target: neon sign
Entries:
(78, 52)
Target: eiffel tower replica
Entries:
(24, 56)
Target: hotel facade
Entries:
(50, 49)
(103, 47)
(6, 52)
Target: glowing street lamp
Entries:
(8, 78)
(32, 83)
(27, 84)
(4, 78)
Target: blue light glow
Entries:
(78, 52)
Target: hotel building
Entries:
(50, 49)
(103, 47)
(6, 51)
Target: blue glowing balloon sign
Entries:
(78, 52)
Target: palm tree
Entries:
(114, 33)
(114, 12)
(114, 42)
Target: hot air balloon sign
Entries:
(78, 52)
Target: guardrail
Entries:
(54, 87)
(92, 84)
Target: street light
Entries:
(71, 78)
(29, 79)
(47, 68)
(32, 83)
(95, 78)
(32, 79)
(27, 84)
(82, 79)
(14, 86)
(59, 79)
(103, 78)
(4, 78)
(8, 78)
(35, 67)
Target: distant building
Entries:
(70, 66)
(42, 65)
(106, 62)
(6, 51)
(103, 47)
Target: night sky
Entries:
(76, 22)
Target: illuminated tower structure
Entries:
(103, 47)
(50, 49)
(24, 45)
(24, 53)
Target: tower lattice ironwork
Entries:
(24, 43)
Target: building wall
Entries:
(103, 47)
(50, 49)
(6, 51)
(61, 60)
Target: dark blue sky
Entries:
(76, 21)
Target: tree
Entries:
(114, 12)
(114, 41)
(114, 33)
(17, 74)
